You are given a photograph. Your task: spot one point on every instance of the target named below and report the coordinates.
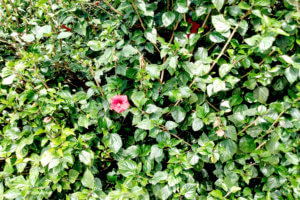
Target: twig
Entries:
(142, 66)
(262, 144)
(228, 193)
(249, 125)
(261, 62)
(223, 50)
(112, 8)
(179, 138)
(39, 77)
(228, 41)
(97, 83)
(15, 10)
(105, 11)
(136, 11)
(84, 9)
(142, 24)
(211, 105)
(170, 41)
(274, 123)
(205, 20)
(73, 75)
(4, 4)
(172, 37)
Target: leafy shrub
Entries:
(213, 88)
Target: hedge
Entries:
(142, 99)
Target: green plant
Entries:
(213, 88)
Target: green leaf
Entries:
(202, 55)
(181, 6)
(247, 144)
(138, 98)
(28, 37)
(33, 175)
(235, 189)
(88, 179)
(185, 91)
(115, 142)
(86, 157)
(261, 94)
(151, 108)
(273, 144)
(291, 74)
(254, 131)
(12, 194)
(127, 167)
(197, 68)
(156, 153)
(216, 37)
(243, 27)
(170, 125)
(83, 121)
(220, 23)
(151, 35)
(231, 133)
(230, 148)
(218, 4)
(73, 174)
(129, 51)
(292, 158)
(178, 114)
(189, 190)
(192, 158)
(217, 194)
(80, 28)
(168, 18)
(139, 135)
(159, 176)
(224, 69)
(197, 124)
(94, 45)
(218, 85)
(266, 43)
(153, 70)
(8, 80)
(162, 192)
(1, 190)
(146, 124)
(64, 35)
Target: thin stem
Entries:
(205, 20)
(211, 105)
(223, 50)
(228, 41)
(97, 83)
(141, 21)
(261, 62)
(136, 11)
(274, 123)
(112, 8)
(179, 138)
(170, 41)
(249, 125)
(39, 77)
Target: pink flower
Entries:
(194, 28)
(119, 103)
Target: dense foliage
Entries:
(213, 88)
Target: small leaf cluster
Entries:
(213, 115)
